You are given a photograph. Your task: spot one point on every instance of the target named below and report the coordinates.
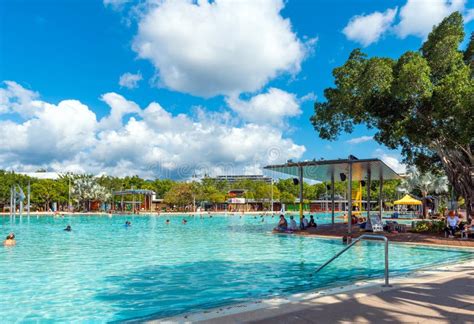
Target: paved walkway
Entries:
(442, 296)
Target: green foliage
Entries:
(435, 227)
(422, 103)
(217, 198)
(180, 195)
(44, 192)
(287, 198)
(422, 227)
(7, 179)
(162, 186)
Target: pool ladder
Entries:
(354, 242)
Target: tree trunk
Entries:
(458, 162)
(423, 200)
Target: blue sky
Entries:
(212, 71)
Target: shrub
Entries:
(429, 227)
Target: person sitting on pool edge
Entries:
(312, 223)
(282, 224)
(293, 226)
(452, 224)
(469, 226)
(68, 228)
(10, 240)
(303, 223)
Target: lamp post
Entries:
(69, 195)
(194, 176)
(272, 196)
(29, 195)
(11, 202)
(300, 169)
(332, 197)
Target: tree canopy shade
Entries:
(423, 103)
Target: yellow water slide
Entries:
(357, 200)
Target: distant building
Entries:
(237, 178)
(42, 175)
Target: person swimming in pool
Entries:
(128, 224)
(167, 222)
(68, 228)
(10, 240)
(184, 221)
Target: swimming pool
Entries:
(103, 271)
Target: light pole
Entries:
(29, 195)
(69, 195)
(272, 197)
(194, 176)
(326, 197)
(11, 202)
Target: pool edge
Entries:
(357, 289)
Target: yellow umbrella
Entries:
(408, 200)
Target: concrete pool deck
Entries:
(441, 295)
(339, 230)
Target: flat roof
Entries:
(42, 175)
(323, 169)
(133, 192)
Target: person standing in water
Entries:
(10, 240)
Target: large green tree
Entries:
(422, 103)
(180, 195)
(44, 192)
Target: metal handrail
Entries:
(360, 238)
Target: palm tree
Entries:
(86, 189)
(426, 183)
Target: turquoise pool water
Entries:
(103, 271)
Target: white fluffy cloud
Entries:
(391, 160)
(53, 133)
(271, 107)
(119, 107)
(130, 80)
(417, 17)
(16, 99)
(151, 142)
(207, 48)
(358, 140)
(367, 29)
(469, 16)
